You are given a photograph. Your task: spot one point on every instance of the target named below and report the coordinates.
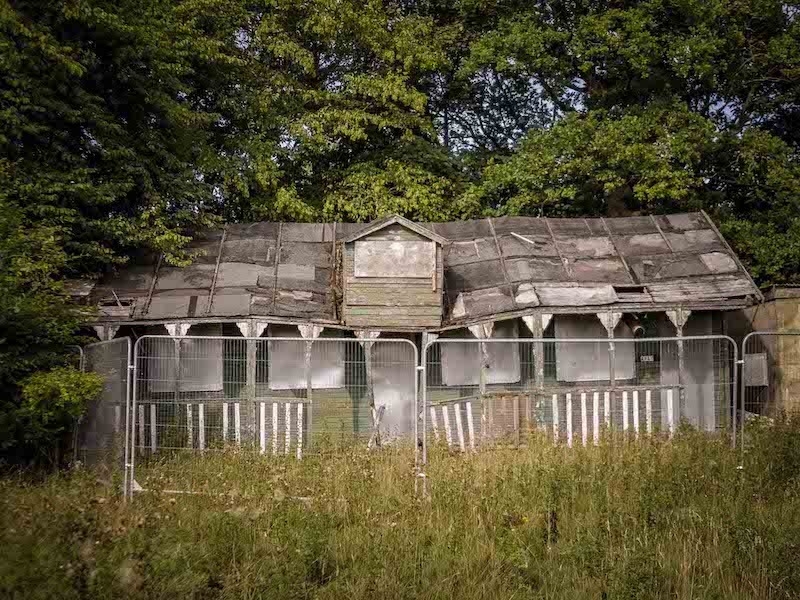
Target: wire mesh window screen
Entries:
(278, 397)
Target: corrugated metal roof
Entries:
(492, 266)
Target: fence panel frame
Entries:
(85, 367)
(611, 342)
(131, 484)
(743, 387)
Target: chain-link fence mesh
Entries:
(101, 432)
(500, 392)
(199, 400)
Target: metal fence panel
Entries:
(198, 399)
(101, 433)
(770, 374)
(574, 390)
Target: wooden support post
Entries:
(224, 421)
(251, 330)
(250, 378)
(310, 332)
(648, 410)
(636, 413)
(537, 323)
(596, 417)
(482, 332)
(610, 320)
(679, 317)
(366, 344)
(607, 408)
(177, 331)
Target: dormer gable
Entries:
(393, 276)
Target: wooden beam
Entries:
(277, 262)
(664, 237)
(216, 271)
(147, 302)
(616, 249)
(502, 260)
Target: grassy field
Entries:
(656, 520)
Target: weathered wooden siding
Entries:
(382, 302)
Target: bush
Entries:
(52, 403)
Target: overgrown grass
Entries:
(656, 520)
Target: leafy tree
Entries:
(102, 142)
(663, 105)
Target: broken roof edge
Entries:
(632, 307)
(447, 325)
(379, 224)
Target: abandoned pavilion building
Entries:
(560, 279)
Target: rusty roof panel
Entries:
(549, 262)
(474, 276)
(698, 240)
(535, 269)
(258, 251)
(593, 247)
(599, 270)
(305, 253)
(488, 301)
(194, 276)
(641, 244)
(459, 253)
(531, 244)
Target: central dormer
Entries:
(393, 276)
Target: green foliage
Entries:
(37, 321)
(658, 106)
(657, 519)
(53, 401)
